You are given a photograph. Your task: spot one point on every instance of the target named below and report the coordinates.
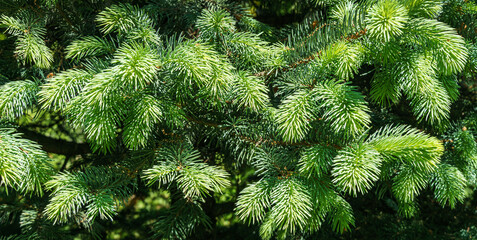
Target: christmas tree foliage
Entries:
(279, 126)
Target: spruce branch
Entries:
(291, 205)
(89, 46)
(145, 113)
(424, 8)
(122, 18)
(342, 215)
(344, 108)
(16, 98)
(23, 165)
(386, 20)
(249, 92)
(182, 164)
(135, 65)
(356, 168)
(253, 201)
(58, 91)
(98, 191)
(449, 185)
(316, 161)
(408, 145)
(294, 115)
(446, 46)
(180, 220)
(30, 44)
(197, 64)
(408, 183)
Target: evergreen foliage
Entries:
(286, 124)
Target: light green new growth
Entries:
(316, 110)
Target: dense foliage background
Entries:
(211, 119)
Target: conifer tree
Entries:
(205, 102)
